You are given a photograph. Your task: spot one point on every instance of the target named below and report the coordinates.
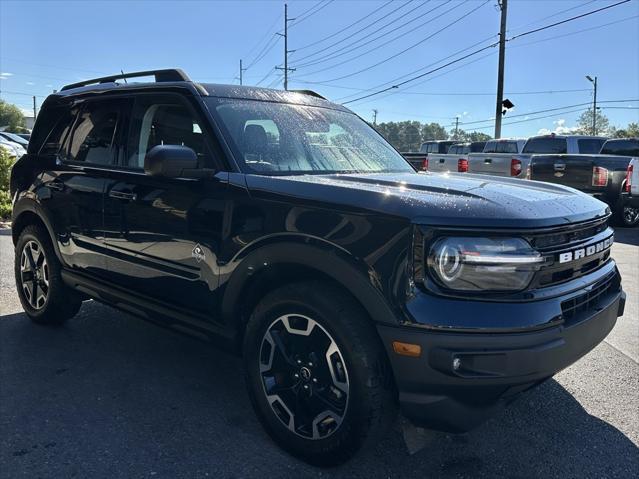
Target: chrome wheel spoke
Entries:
(34, 274)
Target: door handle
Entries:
(560, 166)
(123, 195)
(488, 160)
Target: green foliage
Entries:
(464, 136)
(6, 162)
(631, 131)
(11, 116)
(584, 124)
(409, 135)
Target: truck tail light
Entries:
(462, 165)
(629, 177)
(599, 176)
(515, 167)
(425, 165)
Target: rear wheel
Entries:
(317, 373)
(629, 216)
(44, 297)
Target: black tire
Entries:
(626, 216)
(369, 405)
(53, 302)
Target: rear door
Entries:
(85, 141)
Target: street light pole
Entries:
(594, 104)
(503, 5)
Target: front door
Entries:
(164, 234)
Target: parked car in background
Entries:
(498, 158)
(15, 148)
(603, 176)
(15, 138)
(621, 147)
(456, 159)
(517, 163)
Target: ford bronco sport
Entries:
(285, 228)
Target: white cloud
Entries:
(30, 83)
(6, 74)
(560, 128)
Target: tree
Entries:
(464, 136)
(631, 131)
(11, 118)
(433, 131)
(584, 123)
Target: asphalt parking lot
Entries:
(108, 395)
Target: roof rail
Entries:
(308, 92)
(167, 75)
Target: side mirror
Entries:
(171, 161)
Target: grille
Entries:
(551, 245)
(573, 308)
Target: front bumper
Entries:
(493, 367)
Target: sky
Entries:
(345, 50)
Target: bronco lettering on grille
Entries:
(586, 251)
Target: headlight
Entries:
(483, 264)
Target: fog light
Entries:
(407, 349)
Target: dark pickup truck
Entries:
(603, 176)
(283, 227)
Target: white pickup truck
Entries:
(456, 159)
(510, 157)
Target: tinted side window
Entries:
(93, 137)
(59, 133)
(546, 145)
(163, 120)
(621, 147)
(477, 147)
(589, 146)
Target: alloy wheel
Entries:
(34, 274)
(304, 376)
(630, 215)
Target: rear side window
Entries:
(590, 146)
(501, 147)
(477, 146)
(547, 145)
(621, 148)
(93, 136)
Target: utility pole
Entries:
(594, 104)
(34, 108)
(456, 126)
(242, 70)
(286, 50)
(503, 6)
(375, 116)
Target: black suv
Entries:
(282, 226)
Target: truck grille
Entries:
(569, 239)
(572, 309)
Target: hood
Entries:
(447, 199)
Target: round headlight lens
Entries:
(483, 264)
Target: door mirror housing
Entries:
(173, 161)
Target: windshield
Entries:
(279, 138)
(621, 147)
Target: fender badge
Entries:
(198, 253)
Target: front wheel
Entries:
(317, 373)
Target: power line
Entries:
(529, 32)
(308, 45)
(480, 50)
(551, 16)
(266, 35)
(415, 44)
(531, 119)
(366, 27)
(306, 15)
(345, 49)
